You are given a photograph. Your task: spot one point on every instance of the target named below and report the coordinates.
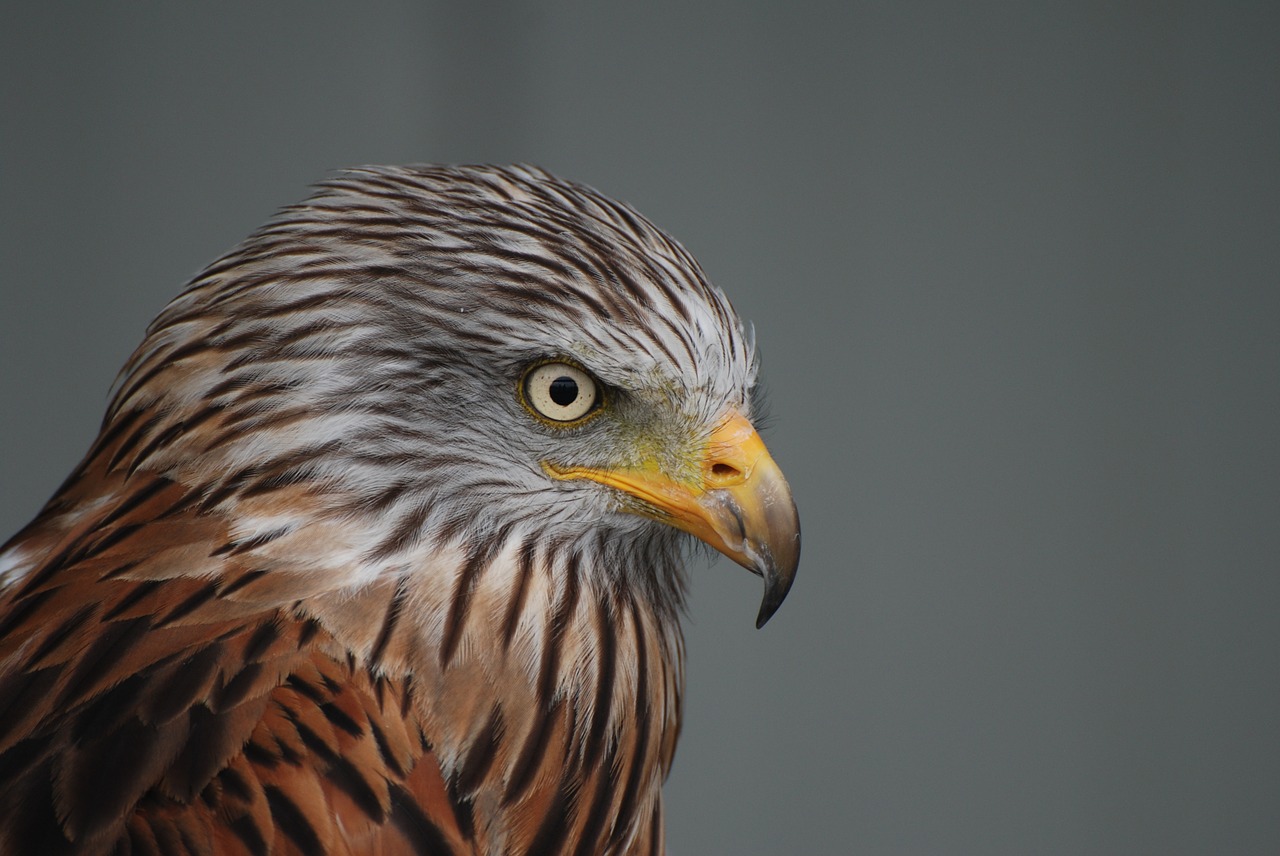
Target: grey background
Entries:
(1016, 276)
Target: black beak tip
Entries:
(773, 597)
(777, 582)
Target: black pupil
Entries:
(564, 391)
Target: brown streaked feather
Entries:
(157, 716)
(311, 756)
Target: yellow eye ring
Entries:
(560, 393)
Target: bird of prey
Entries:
(379, 549)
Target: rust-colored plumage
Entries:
(333, 580)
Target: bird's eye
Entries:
(560, 392)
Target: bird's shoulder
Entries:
(142, 707)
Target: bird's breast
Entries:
(550, 702)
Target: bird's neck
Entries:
(534, 674)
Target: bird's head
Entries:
(449, 356)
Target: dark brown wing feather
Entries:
(145, 712)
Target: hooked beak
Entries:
(737, 502)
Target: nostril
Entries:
(725, 471)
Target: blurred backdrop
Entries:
(1015, 273)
